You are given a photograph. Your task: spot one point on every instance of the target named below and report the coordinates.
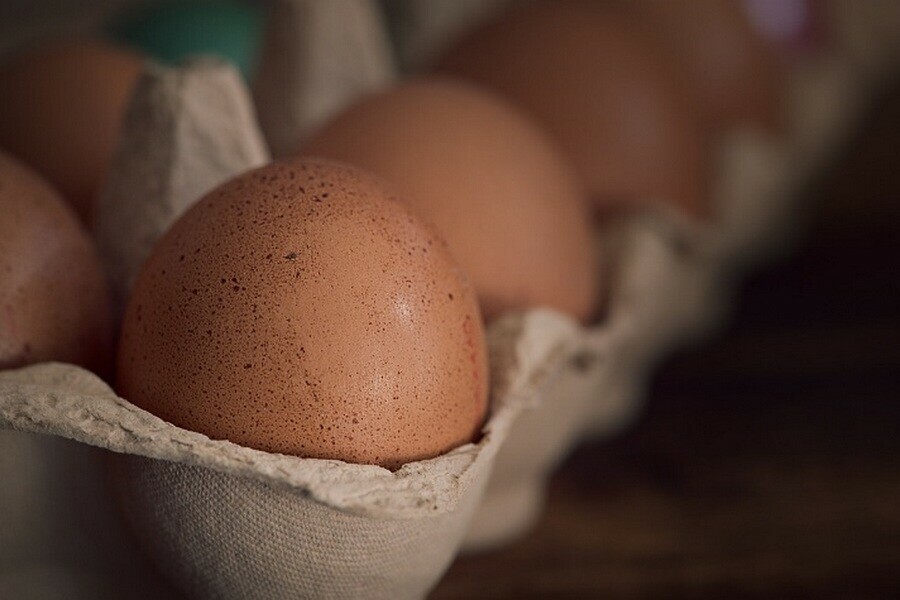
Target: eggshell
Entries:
(493, 185)
(54, 303)
(61, 105)
(607, 94)
(298, 309)
(735, 74)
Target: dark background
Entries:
(767, 463)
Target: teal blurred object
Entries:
(174, 30)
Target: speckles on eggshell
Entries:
(340, 317)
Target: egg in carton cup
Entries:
(220, 519)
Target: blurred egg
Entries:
(61, 106)
(54, 303)
(298, 309)
(607, 95)
(735, 75)
(510, 208)
(172, 31)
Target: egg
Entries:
(299, 309)
(734, 73)
(607, 94)
(54, 300)
(61, 106)
(173, 31)
(511, 209)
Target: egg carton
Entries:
(226, 521)
(219, 519)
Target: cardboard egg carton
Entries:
(224, 521)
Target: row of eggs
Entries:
(332, 304)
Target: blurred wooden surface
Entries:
(768, 461)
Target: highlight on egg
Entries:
(608, 94)
(490, 181)
(299, 309)
(61, 106)
(54, 299)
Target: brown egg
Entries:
(61, 106)
(492, 184)
(54, 303)
(734, 73)
(298, 309)
(606, 93)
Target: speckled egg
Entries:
(496, 188)
(61, 107)
(298, 309)
(54, 302)
(605, 91)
